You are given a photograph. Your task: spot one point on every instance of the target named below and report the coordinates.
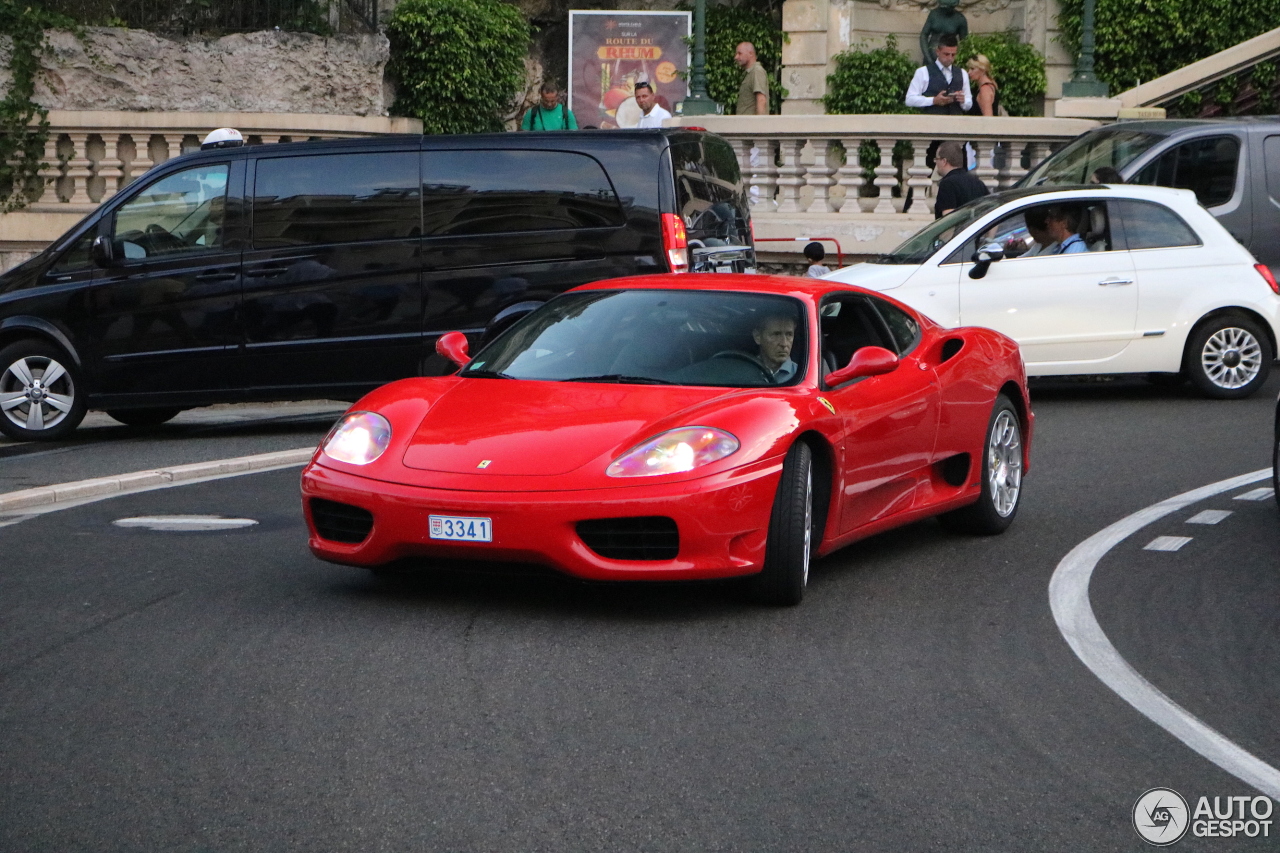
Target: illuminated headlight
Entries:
(674, 452)
(358, 439)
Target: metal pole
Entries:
(1084, 83)
(698, 103)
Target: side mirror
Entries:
(868, 361)
(984, 258)
(102, 252)
(453, 346)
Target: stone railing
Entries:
(804, 175)
(92, 155)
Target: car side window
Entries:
(179, 213)
(1148, 225)
(850, 323)
(76, 258)
(903, 327)
(1028, 233)
(1206, 166)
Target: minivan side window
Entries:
(1148, 225)
(335, 198)
(182, 212)
(709, 193)
(494, 192)
(1206, 166)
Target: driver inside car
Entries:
(775, 335)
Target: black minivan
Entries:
(324, 269)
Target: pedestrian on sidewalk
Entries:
(549, 113)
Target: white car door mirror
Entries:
(986, 255)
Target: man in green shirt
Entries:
(753, 94)
(549, 114)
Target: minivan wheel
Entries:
(1228, 357)
(40, 397)
(143, 417)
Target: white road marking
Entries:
(1166, 543)
(184, 522)
(1256, 495)
(1209, 516)
(1069, 600)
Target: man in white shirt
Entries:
(940, 88)
(653, 114)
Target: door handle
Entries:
(1109, 281)
(264, 272)
(215, 275)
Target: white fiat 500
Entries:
(1092, 280)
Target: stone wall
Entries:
(263, 72)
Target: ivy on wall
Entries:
(24, 124)
(1139, 40)
(729, 26)
(870, 82)
(458, 63)
(1018, 69)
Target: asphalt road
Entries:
(227, 691)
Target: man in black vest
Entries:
(940, 88)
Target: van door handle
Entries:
(1109, 281)
(215, 275)
(264, 272)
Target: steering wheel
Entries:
(162, 239)
(738, 355)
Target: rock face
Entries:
(263, 72)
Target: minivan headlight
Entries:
(358, 439)
(674, 452)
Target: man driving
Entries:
(775, 334)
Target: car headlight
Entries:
(358, 439)
(674, 452)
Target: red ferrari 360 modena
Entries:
(668, 427)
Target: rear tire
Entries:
(1001, 477)
(41, 398)
(789, 546)
(1228, 357)
(143, 417)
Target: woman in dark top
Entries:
(986, 94)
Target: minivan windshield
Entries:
(654, 337)
(920, 247)
(1075, 163)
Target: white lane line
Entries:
(1209, 516)
(184, 522)
(1166, 543)
(1256, 495)
(1069, 600)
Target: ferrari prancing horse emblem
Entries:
(484, 463)
(830, 408)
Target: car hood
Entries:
(874, 276)
(500, 428)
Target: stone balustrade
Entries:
(805, 178)
(92, 155)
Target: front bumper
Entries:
(722, 522)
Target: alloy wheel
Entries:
(1231, 357)
(1004, 463)
(36, 393)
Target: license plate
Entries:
(459, 529)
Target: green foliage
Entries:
(1018, 69)
(458, 63)
(1139, 40)
(870, 81)
(24, 124)
(729, 26)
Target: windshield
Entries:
(1075, 163)
(654, 337)
(937, 234)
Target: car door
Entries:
(1067, 312)
(162, 319)
(332, 287)
(889, 421)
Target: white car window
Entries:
(1024, 234)
(1148, 225)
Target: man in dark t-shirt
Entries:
(958, 186)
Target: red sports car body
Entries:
(663, 427)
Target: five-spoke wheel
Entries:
(39, 397)
(1001, 473)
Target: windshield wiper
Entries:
(489, 374)
(621, 378)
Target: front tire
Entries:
(1001, 477)
(790, 543)
(1228, 357)
(41, 398)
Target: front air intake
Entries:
(652, 537)
(340, 522)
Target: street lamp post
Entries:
(1084, 83)
(698, 103)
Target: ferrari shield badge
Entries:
(830, 408)
(484, 463)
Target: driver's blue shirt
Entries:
(785, 373)
(1074, 243)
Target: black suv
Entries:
(324, 269)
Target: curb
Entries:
(142, 480)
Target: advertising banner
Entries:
(609, 52)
